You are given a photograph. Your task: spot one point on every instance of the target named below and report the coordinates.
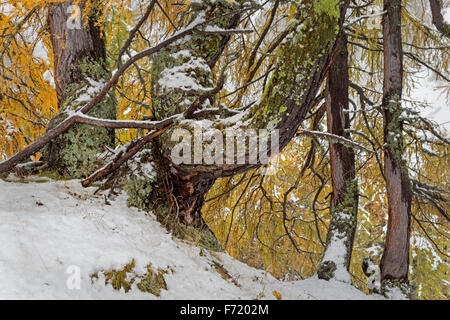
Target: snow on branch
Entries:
(368, 16)
(334, 137)
(123, 124)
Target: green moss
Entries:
(119, 278)
(75, 153)
(330, 7)
(139, 192)
(151, 282)
(389, 285)
(326, 270)
(203, 238)
(53, 175)
(39, 174)
(311, 35)
(25, 180)
(167, 101)
(393, 133)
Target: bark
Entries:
(70, 46)
(344, 207)
(190, 192)
(79, 65)
(188, 189)
(395, 259)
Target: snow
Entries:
(50, 231)
(433, 94)
(446, 14)
(179, 76)
(92, 90)
(336, 252)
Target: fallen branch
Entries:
(68, 123)
(126, 152)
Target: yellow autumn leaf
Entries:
(277, 294)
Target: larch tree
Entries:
(190, 54)
(188, 73)
(80, 71)
(395, 260)
(344, 201)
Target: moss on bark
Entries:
(75, 153)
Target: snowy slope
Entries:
(47, 227)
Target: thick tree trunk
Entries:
(341, 231)
(285, 103)
(395, 260)
(72, 42)
(438, 19)
(195, 57)
(190, 192)
(80, 71)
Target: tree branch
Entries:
(134, 31)
(438, 19)
(330, 136)
(126, 152)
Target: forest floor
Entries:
(53, 231)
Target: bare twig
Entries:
(134, 31)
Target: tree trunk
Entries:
(80, 71)
(344, 206)
(285, 103)
(200, 54)
(190, 192)
(395, 260)
(438, 19)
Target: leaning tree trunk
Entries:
(194, 59)
(344, 206)
(182, 83)
(289, 95)
(80, 72)
(395, 260)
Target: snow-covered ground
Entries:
(51, 230)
